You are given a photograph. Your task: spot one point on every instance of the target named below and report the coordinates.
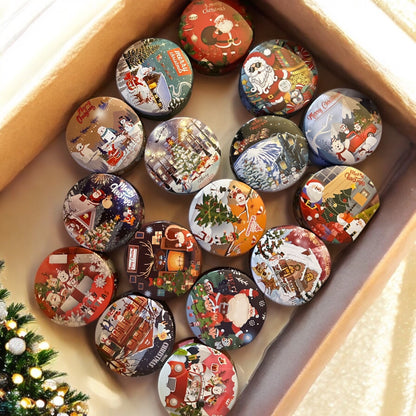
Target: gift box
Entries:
(278, 367)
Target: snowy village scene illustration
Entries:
(215, 35)
(102, 211)
(198, 380)
(336, 203)
(182, 155)
(155, 77)
(163, 260)
(290, 264)
(74, 285)
(105, 135)
(135, 335)
(277, 77)
(269, 153)
(225, 309)
(343, 127)
(227, 217)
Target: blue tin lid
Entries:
(155, 77)
(269, 153)
(102, 212)
(342, 126)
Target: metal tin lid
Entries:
(102, 211)
(336, 203)
(269, 153)
(290, 264)
(225, 309)
(214, 35)
(162, 260)
(227, 217)
(277, 77)
(135, 335)
(199, 379)
(73, 286)
(182, 155)
(155, 77)
(342, 126)
(105, 135)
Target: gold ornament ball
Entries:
(17, 378)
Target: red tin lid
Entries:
(336, 203)
(74, 285)
(162, 260)
(214, 35)
(225, 309)
(290, 264)
(227, 217)
(105, 135)
(200, 379)
(135, 335)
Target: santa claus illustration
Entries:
(311, 199)
(272, 85)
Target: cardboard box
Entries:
(277, 369)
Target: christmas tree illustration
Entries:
(337, 204)
(27, 387)
(213, 212)
(135, 57)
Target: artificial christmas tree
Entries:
(26, 386)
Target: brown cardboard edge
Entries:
(371, 290)
(317, 329)
(304, 21)
(45, 111)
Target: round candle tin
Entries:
(135, 335)
(342, 126)
(290, 264)
(336, 203)
(225, 309)
(162, 260)
(277, 77)
(182, 155)
(73, 285)
(227, 217)
(155, 77)
(269, 153)
(105, 135)
(214, 35)
(102, 212)
(198, 378)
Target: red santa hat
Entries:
(266, 56)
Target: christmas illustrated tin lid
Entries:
(105, 135)
(162, 260)
(277, 77)
(227, 217)
(135, 335)
(269, 153)
(102, 212)
(155, 77)
(74, 285)
(290, 264)
(342, 126)
(182, 155)
(336, 203)
(214, 35)
(199, 378)
(225, 309)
